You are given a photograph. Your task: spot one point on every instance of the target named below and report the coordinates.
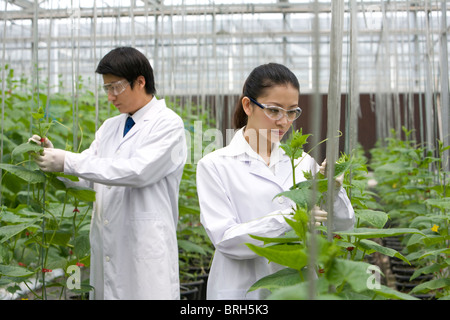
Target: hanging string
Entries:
(49, 63)
(132, 23)
(3, 67)
(75, 26)
(428, 81)
(445, 97)
(94, 53)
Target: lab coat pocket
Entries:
(147, 236)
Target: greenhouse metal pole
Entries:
(429, 139)
(94, 50)
(333, 105)
(3, 66)
(354, 80)
(75, 51)
(316, 117)
(35, 93)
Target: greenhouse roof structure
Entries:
(208, 47)
(393, 52)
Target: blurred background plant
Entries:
(414, 188)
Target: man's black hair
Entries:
(128, 63)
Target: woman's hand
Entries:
(339, 180)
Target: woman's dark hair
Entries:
(128, 63)
(260, 79)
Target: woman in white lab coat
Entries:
(237, 184)
(136, 176)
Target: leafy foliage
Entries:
(414, 187)
(340, 269)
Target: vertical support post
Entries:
(429, 136)
(334, 104)
(3, 78)
(94, 40)
(445, 115)
(316, 117)
(75, 71)
(354, 80)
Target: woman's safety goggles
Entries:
(276, 113)
(116, 88)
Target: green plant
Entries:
(340, 271)
(413, 185)
(43, 224)
(50, 232)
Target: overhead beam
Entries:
(25, 4)
(280, 7)
(260, 35)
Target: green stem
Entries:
(43, 254)
(31, 290)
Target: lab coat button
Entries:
(107, 258)
(280, 200)
(105, 222)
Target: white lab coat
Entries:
(236, 192)
(134, 252)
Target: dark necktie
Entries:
(128, 125)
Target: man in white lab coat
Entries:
(136, 176)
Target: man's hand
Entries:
(319, 215)
(51, 160)
(44, 142)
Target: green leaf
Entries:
(82, 194)
(55, 260)
(13, 271)
(355, 273)
(371, 246)
(82, 246)
(393, 294)
(65, 176)
(266, 240)
(190, 246)
(284, 277)
(303, 196)
(340, 168)
(301, 291)
(443, 203)
(188, 210)
(364, 233)
(26, 147)
(427, 269)
(10, 231)
(30, 176)
(39, 114)
(374, 218)
(57, 237)
(294, 145)
(431, 285)
(292, 256)
(420, 255)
